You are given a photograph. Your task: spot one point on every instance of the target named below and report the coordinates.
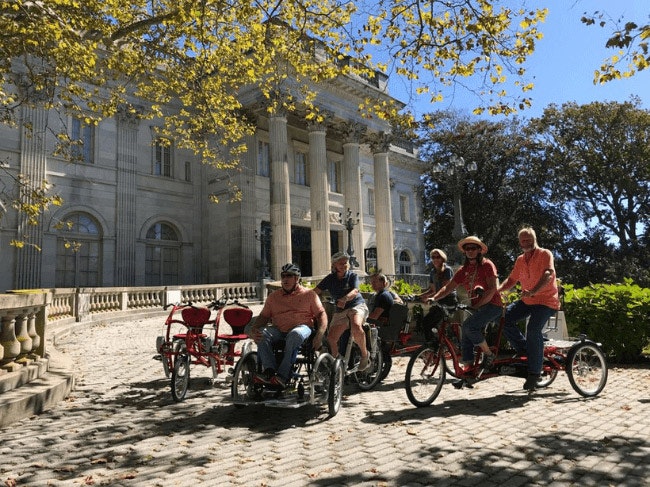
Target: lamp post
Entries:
(455, 171)
(349, 223)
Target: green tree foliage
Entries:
(615, 315)
(507, 191)
(598, 160)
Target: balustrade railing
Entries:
(26, 315)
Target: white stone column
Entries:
(33, 166)
(319, 200)
(383, 209)
(352, 187)
(126, 196)
(280, 210)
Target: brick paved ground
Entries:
(120, 427)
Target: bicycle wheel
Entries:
(243, 387)
(425, 375)
(169, 351)
(370, 377)
(320, 377)
(386, 365)
(454, 338)
(546, 378)
(586, 368)
(181, 376)
(335, 388)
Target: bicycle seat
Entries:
(237, 318)
(195, 317)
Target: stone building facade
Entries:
(137, 211)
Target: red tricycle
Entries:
(581, 359)
(187, 341)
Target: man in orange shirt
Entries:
(294, 311)
(535, 271)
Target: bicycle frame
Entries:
(366, 380)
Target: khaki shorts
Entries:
(346, 315)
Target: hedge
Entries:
(616, 315)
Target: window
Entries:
(333, 176)
(162, 256)
(162, 163)
(404, 262)
(188, 171)
(83, 138)
(78, 252)
(404, 208)
(300, 169)
(263, 159)
(371, 202)
(371, 259)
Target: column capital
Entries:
(28, 90)
(352, 132)
(316, 126)
(379, 141)
(320, 121)
(128, 114)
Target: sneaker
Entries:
(265, 377)
(488, 360)
(365, 364)
(460, 383)
(278, 381)
(531, 382)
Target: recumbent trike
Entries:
(316, 378)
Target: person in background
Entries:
(343, 286)
(478, 275)
(293, 311)
(534, 269)
(440, 275)
(382, 301)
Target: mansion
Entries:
(141, 210)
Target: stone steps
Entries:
(35, 387)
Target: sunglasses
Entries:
(436, 257)
(469, 248)
(286, 275)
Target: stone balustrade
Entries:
(26, 316)
(22, 329)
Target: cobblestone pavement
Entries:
(120, 427)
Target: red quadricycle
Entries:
(193, 337)
(398, 338)
(582, 359)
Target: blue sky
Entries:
(564, 61)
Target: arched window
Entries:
(78, 252)
(162, 255)
(404, 262)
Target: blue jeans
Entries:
(533, 343)
(294, 339)
(473, 328)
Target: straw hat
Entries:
(472, 240)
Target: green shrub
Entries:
(400, 287)
(616, 315)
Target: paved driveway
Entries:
(121, 427)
